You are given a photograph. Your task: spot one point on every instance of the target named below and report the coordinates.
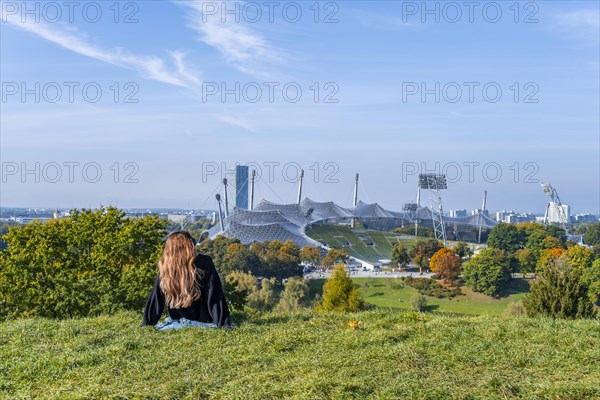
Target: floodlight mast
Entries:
(434, 183)
(226, 198)
(482, 212)
(355, 201)
(299, 199)
(553, 194)
(218, 197)
(252, 189)
(417, 210)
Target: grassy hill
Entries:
(364, 244)
(303, 356)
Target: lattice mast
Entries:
(434, 183)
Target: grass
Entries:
(338, 235)
(390, 292)
(303, 356)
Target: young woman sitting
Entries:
(189, 285)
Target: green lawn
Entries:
(303, 356)
(388, 292)
(338, 235)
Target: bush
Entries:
(294, 295)
(559, 292)
(249, 293)
(418, 303)
(339, 293)
(488, 272)
(236, 289)
(431, 288)
(92, 263)
(591, 276)
(515, 310)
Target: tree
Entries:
(546, 256)
(505, 237)
(446, 265)
(592, 235)
(400, 255)
(591, 276)
(259, 297)
(216, 248)
(551, 242)
(239, 257)
(488, 272)
(559, 292)
(463, 250)
(557, 232)
(535, 239)
(94, 262)
(237, 288)
(422, 250)
(264, 299)
(596, 251)
(310, 254)
(526, 260)
(419, 257)
(333, 256)
(339, 293)
(294, 295)
(279, 260)
(580, 257)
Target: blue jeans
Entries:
(182, 323)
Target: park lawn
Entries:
(390, 292)
(303, 355)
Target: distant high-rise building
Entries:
(500, 215)
(458, 213)
(241, 186)
(480, 211)
(587, 217)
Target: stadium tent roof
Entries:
(325, 211)
(261, 217)
(272, 221)
(374, 210)
(472, 220)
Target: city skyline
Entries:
(386, 87)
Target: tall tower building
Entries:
(241, 186)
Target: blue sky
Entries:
(374, 58)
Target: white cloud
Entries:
(151, 67)
(583, 24)
(236, 122)
(248, 51)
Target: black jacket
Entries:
(210, 307)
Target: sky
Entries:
(148, 103)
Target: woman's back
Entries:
(193, 291)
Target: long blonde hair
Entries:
(179, 278)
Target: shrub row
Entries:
(429, 287)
